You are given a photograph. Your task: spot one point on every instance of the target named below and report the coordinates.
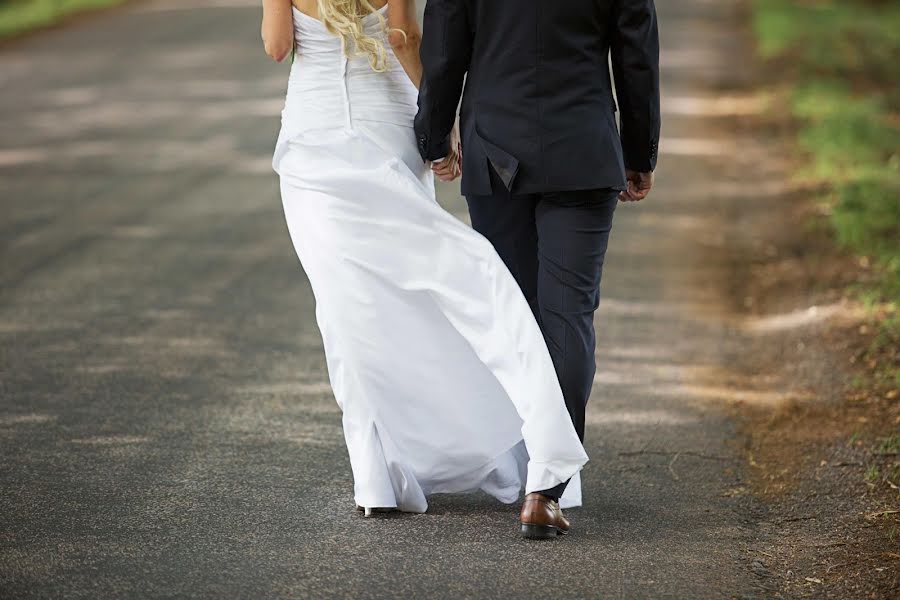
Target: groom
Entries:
(543, 163)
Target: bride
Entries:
(434, 356)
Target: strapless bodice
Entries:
(329, 95)
(327, 90)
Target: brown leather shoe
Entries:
(541, 518)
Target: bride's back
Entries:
(311, 7)
(349, 21)
(329, 89)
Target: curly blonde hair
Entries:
(344, 19)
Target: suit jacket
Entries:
(538, 104)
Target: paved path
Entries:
(166, 427)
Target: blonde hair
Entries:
(344, 18)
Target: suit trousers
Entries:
(554, 244)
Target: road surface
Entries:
(166, 425)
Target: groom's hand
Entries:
(639, 185)
(447, 169)
(450, 167)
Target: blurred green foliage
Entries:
(18, 16)
(835, 37)
(841, 59)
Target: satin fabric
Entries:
(434, 356)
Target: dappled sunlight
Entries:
(165, 88)
(669, 221)
(606, 417)
(712, 146)
(636, 373)
(75, 96)
(165, 155)
(124, 116)
(728, 394)
(636, 352)
(737, 187)
(610, 308)
(714, 106)
(104, 368)
(217, 151)
(76, 121)
(309, 422)
(686, 59)
(167, 314)
(212, 87)
(23, 156)
(89, 149)
(288, 388)
(169, 346)
(136, 232)
(235, 110)
(112, 440)
(187, 58)
(20, 326)
(721, 385)
(692, 302)
(796, 319)
(114, 150)
(27, 419)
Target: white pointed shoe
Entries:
(368, 511)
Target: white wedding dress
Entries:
(435, 359)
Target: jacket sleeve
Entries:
(446, 51)
(635, 62)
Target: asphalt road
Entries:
(166, 426)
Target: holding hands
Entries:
(449, 168)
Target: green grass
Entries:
(833, 37)
(873, 474)
(840, 57)
(19, 16)
(890, 444)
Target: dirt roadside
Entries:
(812, 375)
(821, 419)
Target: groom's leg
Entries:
(573, 232)
(508, 223)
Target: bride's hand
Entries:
(451, 167)
(456, 143)
(447, 169)
(277, 29)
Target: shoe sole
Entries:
(540, 532)
(374, 511)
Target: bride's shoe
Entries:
(368, 511)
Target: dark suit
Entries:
(538, 101)
(542, 157)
